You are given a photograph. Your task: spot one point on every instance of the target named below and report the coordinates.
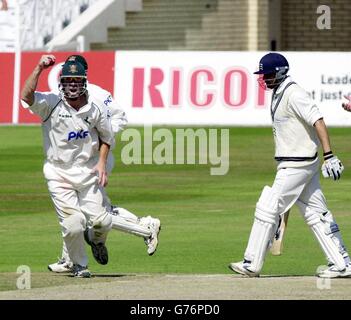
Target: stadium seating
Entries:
(132, 25)
(7, 29)
(40, 21)
(160, 25)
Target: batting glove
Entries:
(332, 166)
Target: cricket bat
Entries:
(277, 245)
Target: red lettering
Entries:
(138, 87)
(156, 78)
(235, 81)
(261, 95)
(155, 95)
(195, 97)
(175, 88)
(234, 90)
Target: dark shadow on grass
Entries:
(103, 275)
(285, 275)
(265, 276)
(111, 275)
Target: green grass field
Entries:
(206, 219)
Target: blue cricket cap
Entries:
(272, 63)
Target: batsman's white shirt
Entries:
(294, 114)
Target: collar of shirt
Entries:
(82, 109)
(283, 85)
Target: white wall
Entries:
(219, 88)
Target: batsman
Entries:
(298, 130)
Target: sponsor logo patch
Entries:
(73, 135)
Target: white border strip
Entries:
(17, 69)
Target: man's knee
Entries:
(266, 218)
(310, 215)
(102, 222)
(73, 225)
(267, 206)
(327, 234)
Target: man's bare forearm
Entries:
(323, 135)
(100, 168)
(27, 93)
(30, 85)
(104, 150)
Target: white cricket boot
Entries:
(61, 266)
(333, 272)
(152, 242)
(242, 267)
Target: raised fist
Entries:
(46, 61)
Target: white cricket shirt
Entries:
(294, 114)
(112, 110)
(70, 136)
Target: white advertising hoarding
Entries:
(219, 88)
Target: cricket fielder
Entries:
(122, 219)
(77, 138)
(298, 129)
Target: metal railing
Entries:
(39, 21)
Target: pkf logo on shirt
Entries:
(77, 135)
(108, 100)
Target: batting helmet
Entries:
(276, 66)
(73, 80)
(78, 58)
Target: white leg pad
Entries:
(328, 246)
(332, 229)
(262, 232)
(127, 215)
(327, 234)
(128, 222)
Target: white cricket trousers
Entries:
(300, 186)
(78, 201)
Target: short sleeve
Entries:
(302, 104)
(44, 103)
(103, 126)
(114, 112)
(118, 117)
